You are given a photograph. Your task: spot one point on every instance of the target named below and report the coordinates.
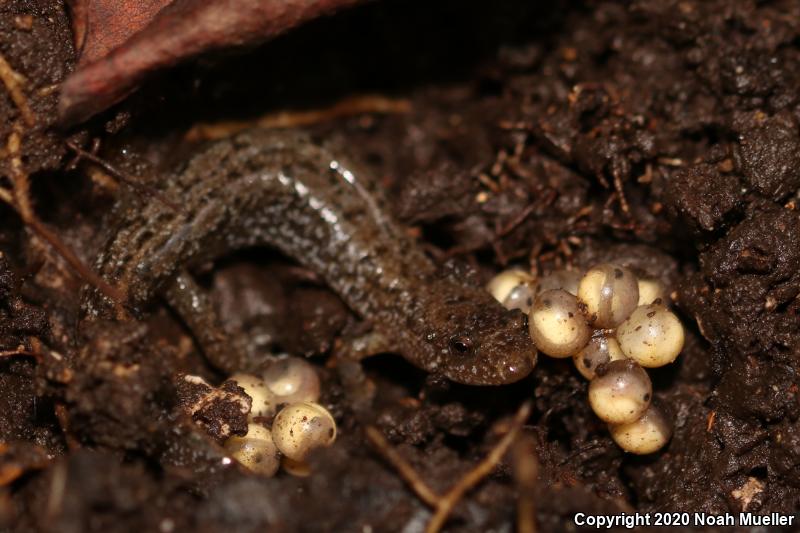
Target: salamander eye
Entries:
(461, 345)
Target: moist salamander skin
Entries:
(282, 190)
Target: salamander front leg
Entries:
(347, 357)
(224, 351)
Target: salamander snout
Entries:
(495, 350)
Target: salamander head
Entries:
(475, 341)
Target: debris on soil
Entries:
(221, 411)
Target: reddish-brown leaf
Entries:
(181, 29)
(99, 26)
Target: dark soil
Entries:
(662, 134)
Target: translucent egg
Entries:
(256, 451)
(521, 297)
(264, 401)
(557, 326)
(602, 348)
(503, 283)
(651, 290)
(653, 336)
(514, 288)
(610, 294)
(301, 427)
(567, 280)
(647, 434)
(295, 468)
(620, 392)
(292, 380)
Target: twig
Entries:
(13, 82)
(443, 505)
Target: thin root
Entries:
(526, 469)
(13, 82)
(19, 199)
(504, 230)
(124, 177)
(290, 119)
(21, 352)
(63, 421)
(443, 505)
(623, 200)
(405, 470)
(74, 261)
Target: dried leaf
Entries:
(99, 26)
(182, 29)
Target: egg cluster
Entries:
(612, 325)
(285, 393)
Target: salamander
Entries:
(281, 189)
